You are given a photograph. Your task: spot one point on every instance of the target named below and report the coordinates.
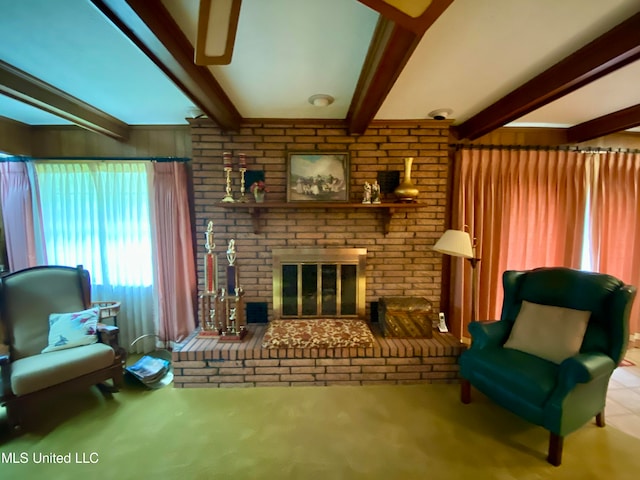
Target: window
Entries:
(96, 214)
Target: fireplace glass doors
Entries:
(319, 283)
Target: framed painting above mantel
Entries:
(317, 177)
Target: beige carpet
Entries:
(328, 433)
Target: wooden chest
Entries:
(405, 317)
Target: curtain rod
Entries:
(22, 158)
(564, 148)
(121, 159)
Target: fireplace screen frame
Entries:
(319, 257)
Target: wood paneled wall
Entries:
(71, 141)
(545, 137)
(15, 137)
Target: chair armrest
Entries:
(489, 334)
(585, 367)
(582, 368)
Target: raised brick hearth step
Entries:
(204, 362)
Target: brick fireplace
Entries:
(399, 262)
(399, 259)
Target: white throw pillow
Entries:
(552, 333)
(68, 330)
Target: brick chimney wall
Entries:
(398, 263)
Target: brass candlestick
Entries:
(243, 197)
(228, 198)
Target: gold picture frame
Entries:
(317, 177)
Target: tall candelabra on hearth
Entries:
(222, 307)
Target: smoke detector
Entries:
(321, 100)
(441, 114)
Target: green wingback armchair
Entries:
(559, 395)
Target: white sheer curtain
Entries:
(96, 214)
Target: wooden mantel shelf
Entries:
(256, 209)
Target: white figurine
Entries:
(367, 193)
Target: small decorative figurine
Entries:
(367, 193)
(375, 192)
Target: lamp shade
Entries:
(456, 243)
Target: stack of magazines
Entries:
(149, 370)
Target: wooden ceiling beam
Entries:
(616, 48)
(28, 89)
(416, 24)
(391, 47)
(598, 127)
(148, 24)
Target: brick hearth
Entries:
(206, 363)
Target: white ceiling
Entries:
(476, 52)
(287, 51)
(70, 45)
(480, 50)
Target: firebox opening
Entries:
(319, 283)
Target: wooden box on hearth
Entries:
(405, 317)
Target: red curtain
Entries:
(532, 208)
(526, 210)
(615, 224)
(175, 265)
(17, 214)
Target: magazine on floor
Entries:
(149, 369)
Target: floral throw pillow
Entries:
(68, 330)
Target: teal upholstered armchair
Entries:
(549, 358)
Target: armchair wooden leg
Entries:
(107, 390)
(600, 419)
(465, 391)
(555, 449)
(14, 415)
(118, 379)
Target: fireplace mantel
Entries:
(256, 209)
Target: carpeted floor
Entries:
(328, 433)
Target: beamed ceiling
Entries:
(106, 65)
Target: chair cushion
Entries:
(37, 372)
(68, 330)
(511, 373)
(552, 333)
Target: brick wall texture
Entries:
(398, 263)
(205, 362)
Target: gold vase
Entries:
(406, 191)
